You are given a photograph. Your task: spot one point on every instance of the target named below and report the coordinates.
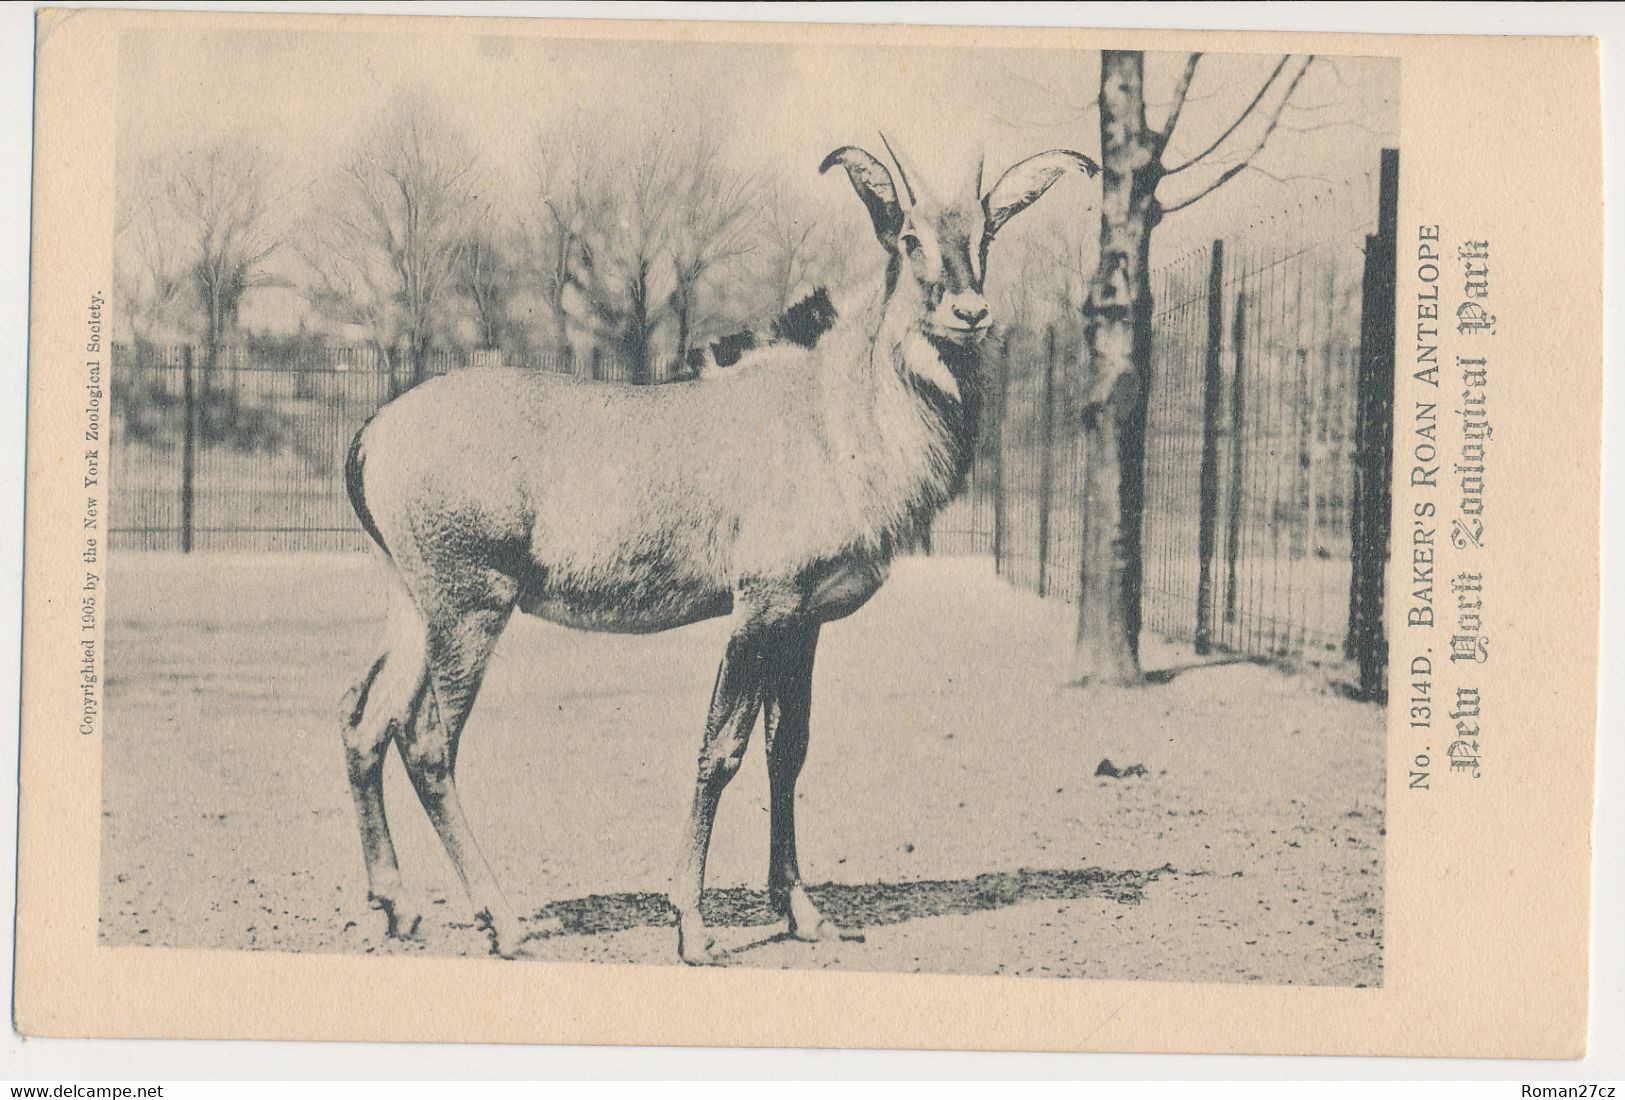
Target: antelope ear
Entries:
(874, 186)
(1022, 183)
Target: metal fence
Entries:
(1266, 452)
(244, 449)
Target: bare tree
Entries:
(388, 234)
(220, 198)
(196, 225)
(710, 225)
(350, 283)
(629, 237)
(148, 265)
(551, 232)
(1117, 329)
(486, 278)
(621, 200)
(796, 254)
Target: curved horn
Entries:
(1021, 185)
(902, 173)
(873, 183)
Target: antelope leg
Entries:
(457, 656)
(787, 724)
(735, 701)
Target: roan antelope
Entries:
(775, 493)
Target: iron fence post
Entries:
(999, 517)
(1046, 458)
(1208, 477)
(1373, 434)
(1238, 454)
(188, 447)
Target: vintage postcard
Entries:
(810, 535)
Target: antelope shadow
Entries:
(859, 905)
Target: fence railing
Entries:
(1267, 442)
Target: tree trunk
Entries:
(562, 261)
(490, 321)
(209, 418)
(681, 304)
(1117, 336)
(561, 322)
(415, 353)
(561, 336)
(636, 344)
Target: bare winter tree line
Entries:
(638, 247)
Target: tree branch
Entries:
(1342, 124)
(1294, 178)
(1241, 118)
(1180, 91)
(1235, 170)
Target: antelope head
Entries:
(939, 246)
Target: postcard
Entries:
(757, 534)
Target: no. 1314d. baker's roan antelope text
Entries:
(1447, 477)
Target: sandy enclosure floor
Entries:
(949, 807)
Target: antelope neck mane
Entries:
(901, 408)
(890, 413)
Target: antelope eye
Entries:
(911, 243)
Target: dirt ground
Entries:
(949, 807)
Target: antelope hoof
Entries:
(824, 931)
(401, 921)
(810, 926)
(506, 937)
(695, 945)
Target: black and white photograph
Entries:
(786, 505)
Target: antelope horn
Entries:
(902, 173)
